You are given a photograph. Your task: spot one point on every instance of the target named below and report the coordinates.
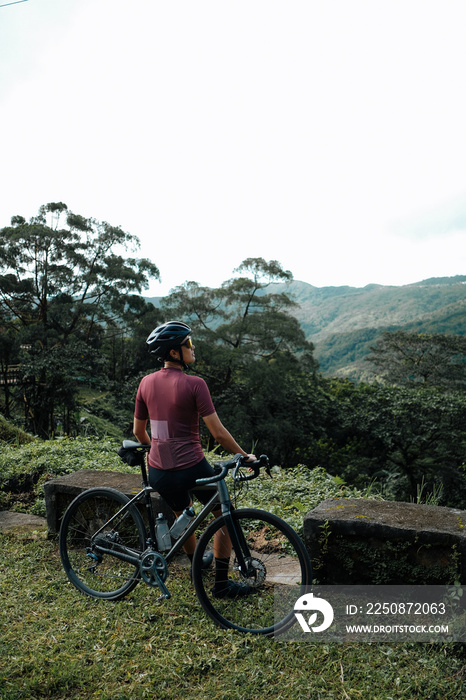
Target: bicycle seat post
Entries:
(144, 477)
(148, 501)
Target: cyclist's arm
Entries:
(140, 431)
(223, 437)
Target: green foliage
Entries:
(24, 468)
(277, 405)
(421, 359)
(293, 492)
(108, 413)
(399, 437)
(239, 322)
(66, 277)
(91, 424)
(343, 351)
(74, 325)
(255, 358)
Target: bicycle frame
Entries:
(221, 497)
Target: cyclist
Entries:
(172, 402)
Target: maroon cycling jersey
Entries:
(173, 402)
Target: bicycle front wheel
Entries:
(92, 551)
(275, 561)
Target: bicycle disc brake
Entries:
(256, 572)
(154, 571)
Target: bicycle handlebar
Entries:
(236, 463)
(132, 445)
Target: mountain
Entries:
(343, 322)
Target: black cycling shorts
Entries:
(175, 485)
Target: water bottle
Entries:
(182, 522)
(163, 534)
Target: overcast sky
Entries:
(328, 135)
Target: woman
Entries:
(173, 401)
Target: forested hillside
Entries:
(343, 322)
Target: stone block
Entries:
(21, 523)
(61, 491)
(361, 541)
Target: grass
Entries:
(57, 644)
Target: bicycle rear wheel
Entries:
(84, 534)
(276, 560)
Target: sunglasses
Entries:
(188, 343)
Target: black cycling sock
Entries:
(221, 570)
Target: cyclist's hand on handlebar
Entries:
(252, 464)
(249, 458)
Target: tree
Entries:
(279, 405)
(64, 284)
(421, 359)
(254, 355)
(242, 321)
(9, 349)
(401, 438)
(67, 279)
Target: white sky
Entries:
(327, 134)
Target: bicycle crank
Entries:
(154, 571)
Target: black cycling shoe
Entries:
(207, 560)
(230, 589)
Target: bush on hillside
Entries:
(10, 434)
(25, 468)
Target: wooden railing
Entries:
(12, 375)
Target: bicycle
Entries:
(105, 549)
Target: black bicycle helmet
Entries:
(167, 336)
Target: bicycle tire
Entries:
(279, 563)
(91, 572)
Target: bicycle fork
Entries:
(238, 541)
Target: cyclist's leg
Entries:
(169, 484)
(190, 545)
(222, 548)
(174, 487)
